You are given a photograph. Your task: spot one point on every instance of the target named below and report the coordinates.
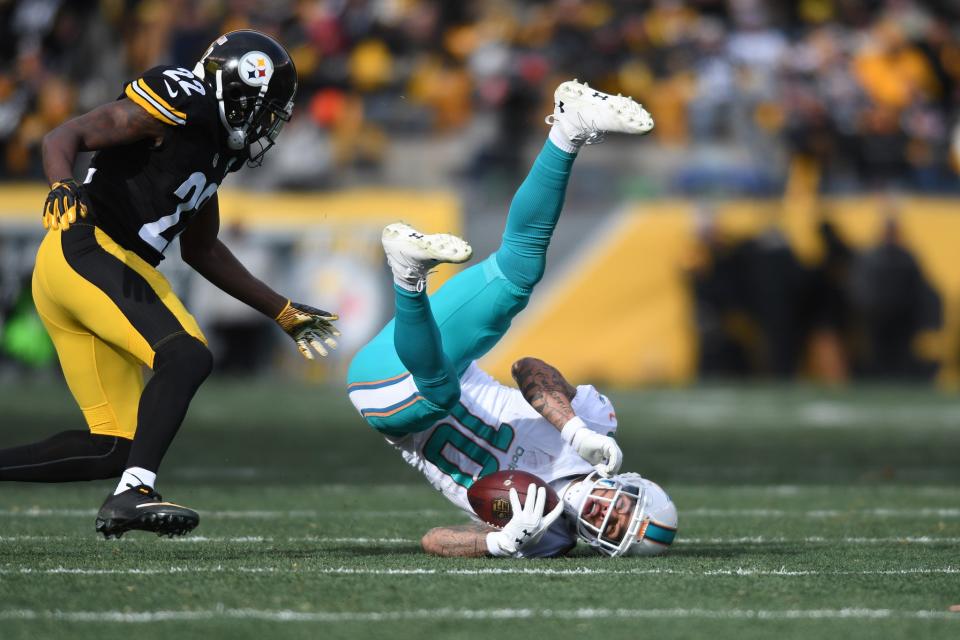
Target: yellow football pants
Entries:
(107, 311)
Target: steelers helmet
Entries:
(254, 81)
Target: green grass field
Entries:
(803, 513)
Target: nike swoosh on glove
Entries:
(310, 328)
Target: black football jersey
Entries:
(144, 194)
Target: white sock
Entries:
(135, 476)
(561, 141)
(407, 278)
(415, 285)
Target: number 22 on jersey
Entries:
(185, 79)
(193, 193)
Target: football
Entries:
(490, 495)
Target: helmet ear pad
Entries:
(236, 140)
(235, 103)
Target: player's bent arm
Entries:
(207, 255)
(465, 541)
(311, 329)
(545, 389)
(110, 125)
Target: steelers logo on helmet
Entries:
(256, 68)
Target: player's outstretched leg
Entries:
(402, 381)
(475, 308)
(66, 457)
(411, 254)
(581, 116)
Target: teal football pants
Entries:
(436, 338)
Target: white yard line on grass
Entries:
(521, 571)
(884, 512)
(761, 540)
(745, 540)
(318, 539)
(473, 614)
(257, 514)
(253, 514)
(215, 539)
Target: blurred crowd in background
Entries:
(745, 91)
(760, 311)
(751, 98)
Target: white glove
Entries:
(601, 451)
(527, 525)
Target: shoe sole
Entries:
(627, 111)
(163, 524)
(439, 247)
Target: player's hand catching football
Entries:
(601, 451)
(310, 328)
(527, 525)
(63, 204)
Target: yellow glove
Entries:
(309, 328)
(62, 205)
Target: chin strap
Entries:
(236, 138)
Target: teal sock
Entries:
(416, 338)
(533, 215)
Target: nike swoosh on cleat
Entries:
(158, 504)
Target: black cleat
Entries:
(143, 509)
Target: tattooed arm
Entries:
(110, 125)
(545, 389)
(464, 541)
(551, 395)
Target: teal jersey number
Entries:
(447, 433)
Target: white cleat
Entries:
(412, 254)
(586, 115)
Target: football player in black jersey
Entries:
(163, 148)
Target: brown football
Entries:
(490, 495)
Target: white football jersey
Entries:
(493, 428)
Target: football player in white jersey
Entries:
(417, 381)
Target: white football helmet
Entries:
(650, 527)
